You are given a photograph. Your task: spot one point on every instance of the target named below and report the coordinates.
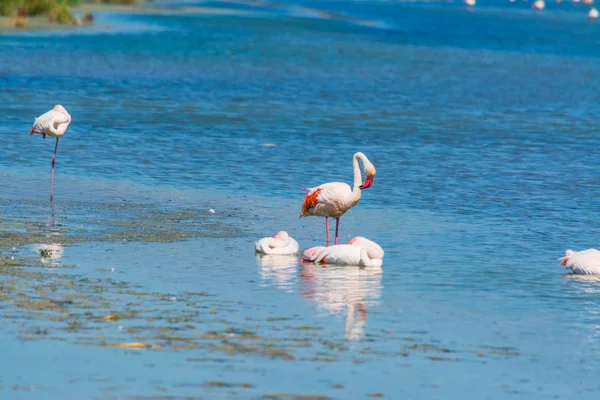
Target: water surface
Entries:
(481, 125)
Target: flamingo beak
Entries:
(368, 182)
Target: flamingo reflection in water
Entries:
(280, 270)
(347, 291)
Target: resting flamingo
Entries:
(281, 243)
(335, 198)
(585, 262)
(53, 123)
(359, 251)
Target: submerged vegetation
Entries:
(57, 11)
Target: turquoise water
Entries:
(481, 123)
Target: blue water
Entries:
(482, 125)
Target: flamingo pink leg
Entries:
(327, 229)
(53, 162)
(337, 227)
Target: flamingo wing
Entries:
(333, 194)
(310, 200)
(48, 122)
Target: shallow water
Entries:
(481, 125)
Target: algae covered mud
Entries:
(113, 294)
(71, 281)
(129, 287)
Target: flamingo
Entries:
(53, 123)
(359, 251)
(333, 199)
(593, 14)
(281, 243)
(585, 262)
(539, 4)
(470, 3)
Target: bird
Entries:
(470, 3)
(585, 262)
(539, 4)
(593, 14)
(281, 243)
(52, 123)
(335, 198)
(360, 252)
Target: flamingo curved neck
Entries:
(275, 243)
(356, 190)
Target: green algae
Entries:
(124, 317)
(220, 384)
(291, 396)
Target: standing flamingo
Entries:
(585, 262)
(359, 251)
(335, 198)
(282, 244)
(53, 123)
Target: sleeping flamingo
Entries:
(53, 123)
(282, 244)
(359, 251)
(335, 198)
(585, 262)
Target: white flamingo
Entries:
(593, 14)
(585, 262)
(335, 198)
(470, 3)
(282, 244)
(359, 251)
(539, 4)
(53, 123)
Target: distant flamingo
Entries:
(53, 123)
(539, 4)
(585, 262)
(470, 3)
(282, 244)
(593, 14)
(359, 251)
(335, 198)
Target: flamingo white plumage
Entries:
(593, 14)
(539, 4)
(335, 198)
(585, 262)
(52, 123)
(281, 243)
(360, 252)
(470, 3)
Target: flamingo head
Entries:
(370, 173)
(59, 108)
(281, 235)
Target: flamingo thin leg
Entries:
(327, 229)
(53, 162)
(337, 227)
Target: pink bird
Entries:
(360, 252)
(335, 198)
(281, 243)
(585, 262)
(53, 123)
